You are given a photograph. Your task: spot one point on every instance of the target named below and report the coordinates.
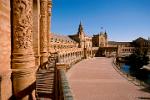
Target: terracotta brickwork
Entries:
(5, 36)
(5, 49)
(100, 40)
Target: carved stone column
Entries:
(49, 22)
(43, 31)
(23, 60)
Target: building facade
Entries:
(100, 40)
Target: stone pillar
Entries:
(36, 31)
(49, 22)
(43, 31)
(23, 60)
(5, 85)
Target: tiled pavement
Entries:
(96, 79)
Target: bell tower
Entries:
(106, 38)
(81, 36)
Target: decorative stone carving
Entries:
(23, 55)
(23, 60)
(49, 6)
(22, 23)
(43, 31)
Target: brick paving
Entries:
(96, 79)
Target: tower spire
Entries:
(80, 29)
(80, 22)
(105, 33)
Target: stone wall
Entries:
(5, 49)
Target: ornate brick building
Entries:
(100, 40)
(81, 38)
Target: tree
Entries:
(137, 60)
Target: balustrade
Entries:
(51, 81)
(53, 72)
(63, 86)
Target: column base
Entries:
(24, 83)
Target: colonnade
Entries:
(124, 51)
(26, 55)
(71, 56)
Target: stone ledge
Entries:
(66, 91)
(63, 66)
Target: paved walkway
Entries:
(96, 79)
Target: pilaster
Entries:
(43, 31)
(49, 22)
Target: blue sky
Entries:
(124, 20)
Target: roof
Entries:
(61, 37)
(140, 39)
(114, 42)
(141, 42)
